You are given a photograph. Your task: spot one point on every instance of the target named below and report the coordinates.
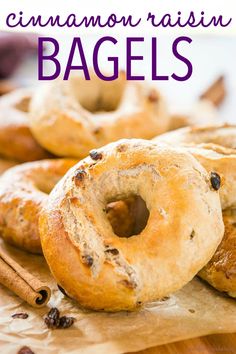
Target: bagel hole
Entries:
(98, 96)
(23, 105)
(47, 184)
(128, 217)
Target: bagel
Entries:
(69, 118)
(221, 134)
(103, 271)
(222, 160)
(23, 191)
(16, 140)
(220, 271)
(213, 147)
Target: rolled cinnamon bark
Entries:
(22, 283)
(204, 111)
(216, 92)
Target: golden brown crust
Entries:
(220, 272)
(203, 144)
(16, 140)
(23, 191)
(220, 134)
(69, 118)
(104, 271)
(216, 158)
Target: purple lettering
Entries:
(76, 43)
(183, 59)
(130, 58)
(115, 60)
(52, 57)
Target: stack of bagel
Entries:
(123, 210)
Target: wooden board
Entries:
(214, 344)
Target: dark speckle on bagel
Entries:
(215, 181)
(95, 155)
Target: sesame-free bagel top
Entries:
(104, 271)
(220, 134)
(16, 140)
(69, 118)
(23, 190)
(214, 147)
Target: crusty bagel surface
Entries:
(215, 148)
(103, 271)
(16, 140)
(23, 191)
(220, 272)
(220, 134)
(69, 118)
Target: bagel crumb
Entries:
(192, 234)
(88, 260)
(215, 181)
(95, 155)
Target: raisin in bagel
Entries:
(103, 271)
(16, 140)
(220, 162)
(69, 118)
(23, 191)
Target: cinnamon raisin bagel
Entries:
(221, 134)
(220, 272)
(103, 271)
(23, 191)
(222, 161)
(16, 140)
(69, 118)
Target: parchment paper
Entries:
(193, 311)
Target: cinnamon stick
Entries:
(21, 282)
(216, 92)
